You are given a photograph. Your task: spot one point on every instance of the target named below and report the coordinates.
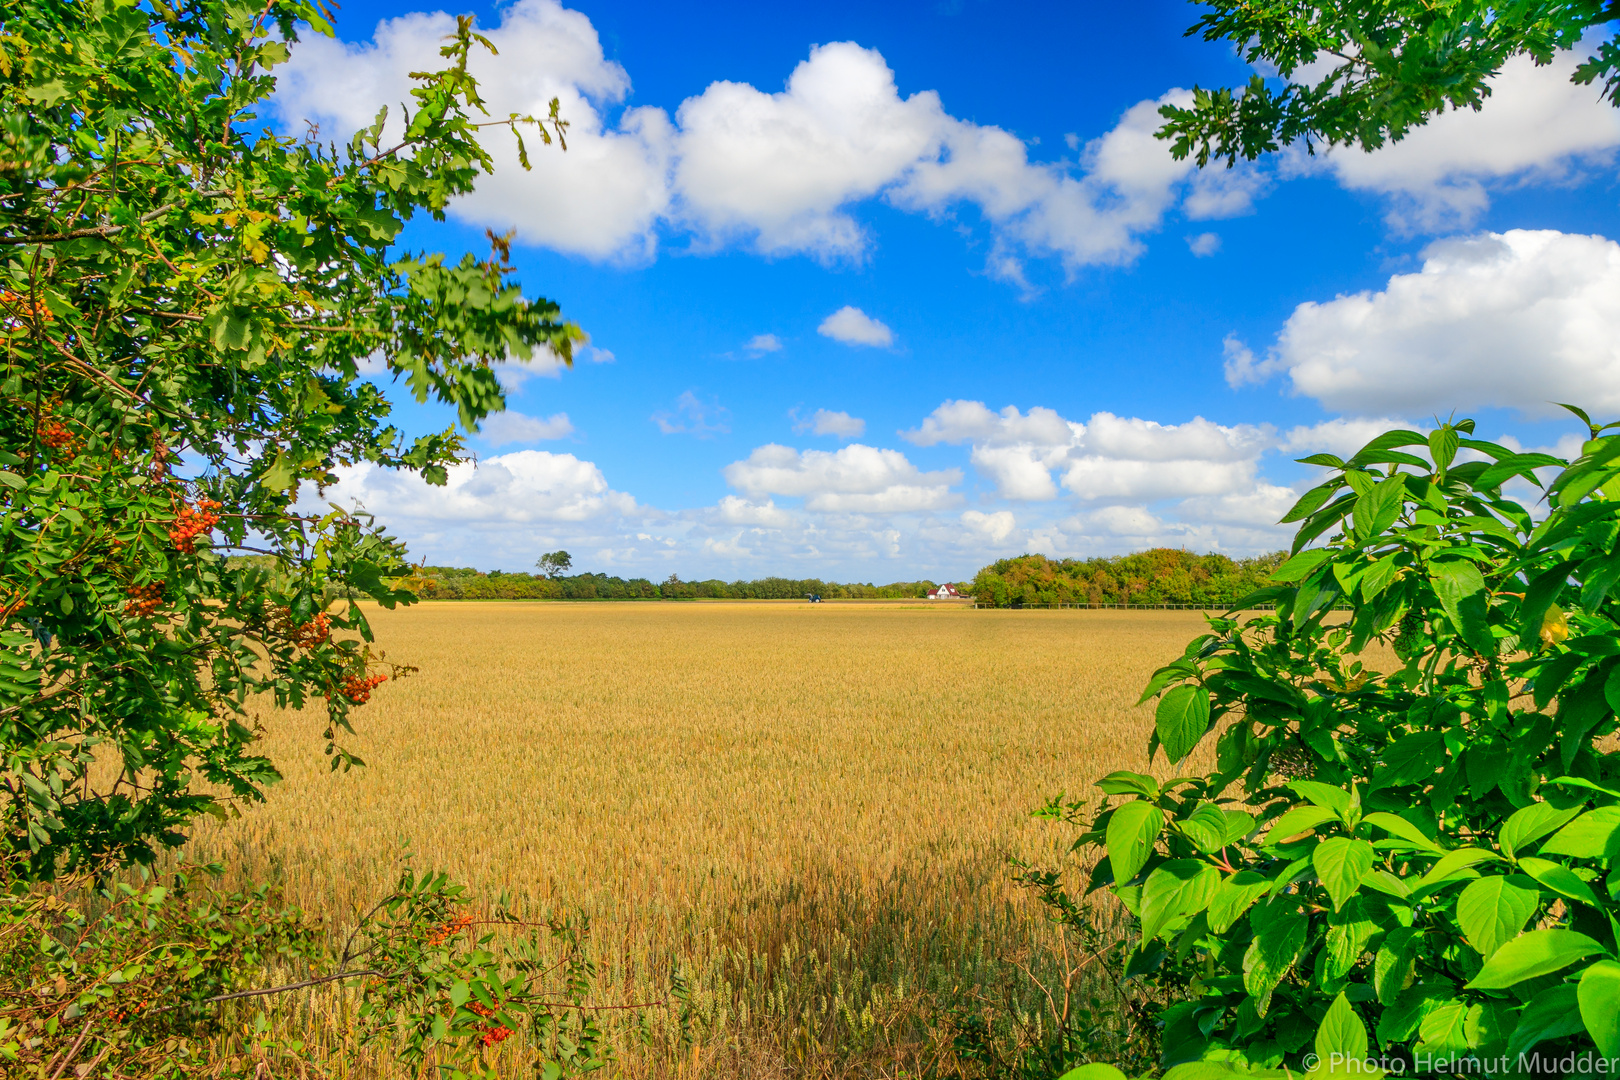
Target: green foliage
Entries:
(449, 583)
(1418, 857)
(1377, 68)
(142, 979)
(1158, 576)
(554, 563)
(185, 303)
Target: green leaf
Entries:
(1299, 819)
(1461, 588)
(1180, 887)
(1392, 965)
(1399, 826)
(1096, 1070)
(1131, 832)
(1301, 566)
(12, 480)
(1181, 720)
(1326, 795)
(1129, 783)
(1552, 1014)
(1591, 836)
(1411, 758)
(1279, 936)
(1443, 446)
(1340, 864)
(1538, 597)
(1236, 894)
(1206, 828)
(1342, 1037)
(1599, 997)
(1530, 824)
(1492, 910)
(1560, 879)
(1378, 509)
(460, 993)
(1378, 577)
(1529, 956)
(1454, 861)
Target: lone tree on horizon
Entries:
(555, 563)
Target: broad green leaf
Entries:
(1302, 565)
(1530, 824)
(1180, 887)
(1298, 820)
(1399, 826)
(1529, 956)
(1560, 879)
(1340, 864)
(1551, 1014)
(1492, 910)
(1443, 446)
(1392, 965)
(1342, 1034)
(1320, 794)
(1378, 509)
(1181, 720)
(1129, 783)
(1096, 1070)
(1461, 589)
(1410, 759)
(1234, 897)
(1444, 1032)
(1454, 861)
(1599, 997)
(1279, 936)
(1206, 827)
(1130, 836)
(1591, 836)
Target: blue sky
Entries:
(886, 291)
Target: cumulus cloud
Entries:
(602, 198)
(995, 526)
(515, 427)
(1106, 458)
(734, 510)
(1204, 244)
(694, 416)
(520, 487)
(1536, 125)
(1342, 435)
(1511, 320)
(760, 344)
(855, 479)
(852, 326)
(826, 422)
(776, 171)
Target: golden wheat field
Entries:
(806, 809)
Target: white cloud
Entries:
(781, 167)
(600, 199)
(1536, 125)
(996, 526)
(1204, 244)
(1342, 436)
(515, 427)
(1107, 458)
(1511, 320)
(853, 326)
(778, 172)
(694, 416)
(825, 422)
(520, 487)
(734, 510)
(855, 479)
(761, 344)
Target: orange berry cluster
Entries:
(190, 523)
(144, 599)
(317, 631)
(493, 1035)
(358, 688)
(13, 606)
(19, 307)
(442, 933)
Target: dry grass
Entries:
(809, 809)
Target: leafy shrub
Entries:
(1415, 861)
(1158, 576)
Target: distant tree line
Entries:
(451, 583)
(1158, 576)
